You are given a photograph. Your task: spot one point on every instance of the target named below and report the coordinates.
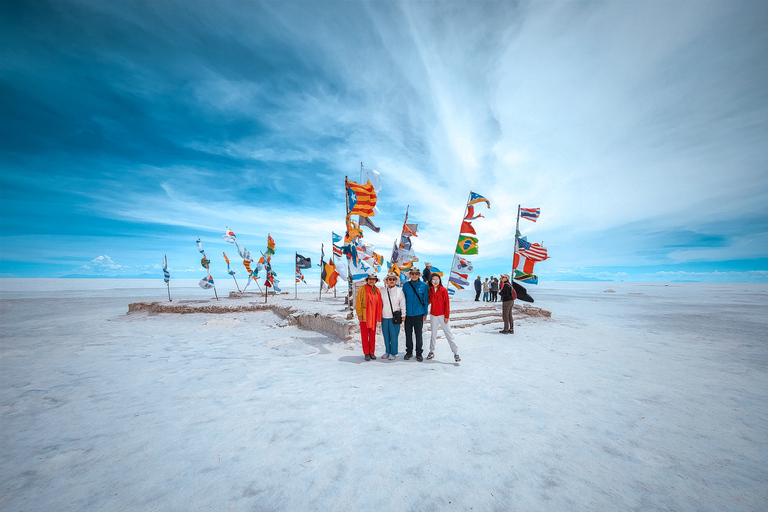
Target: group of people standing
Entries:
(409, 304)
(498, 287)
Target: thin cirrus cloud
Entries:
(637, 128)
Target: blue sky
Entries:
(640, 130)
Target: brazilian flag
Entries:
(466, 245)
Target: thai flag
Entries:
(530, 213)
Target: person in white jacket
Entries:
(392, 314)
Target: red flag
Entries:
(466, 227)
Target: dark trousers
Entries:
(477, 295)
(414, 325)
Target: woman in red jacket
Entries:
(440, 309)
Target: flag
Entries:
(530, 213)
(199, 245)
(528, 266)
(300, 277)
(302, 262)
(330, 274)
(466, 227)
(341, 268)
(459, 280)
(515, 261)
(436, 271)
(477, 198)
(229, 270)
(270, 246)
(336, 238)
(351, 252)
(337, 251)
(206, 282)
(522, 244)
(229, 236)
(166, 274)
(253, 274)
(361, 199)
(365, 221)
(353, 231)
(526, 278)
(410, 230)
(471, 214)
(205, 262)
(462, 265)
(244, 253)
(466, 245)
(535, 252)
(379, 259)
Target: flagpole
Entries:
(349, 268)
(237, 285)
(168, 283)
(322, 253)
(214, 289)
(517, 230)
(295, 282)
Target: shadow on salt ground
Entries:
(361, 359)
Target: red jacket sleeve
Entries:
(444, 293)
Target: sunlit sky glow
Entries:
(639, 128)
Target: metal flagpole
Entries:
(168, 282)
(295, 276)
(517, 230)
(322, 265)
(214, 289)
(349, 267)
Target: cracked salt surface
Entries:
(619, 401)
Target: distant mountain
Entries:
(91, 276)
(581, 278)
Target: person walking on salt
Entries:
(368, 308)
(439, 311)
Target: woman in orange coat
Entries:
(368, 308)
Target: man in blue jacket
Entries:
(478, 287)
(416, 304)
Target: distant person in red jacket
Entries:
(440, 309)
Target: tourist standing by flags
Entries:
(508, 297)
(494, 286)
(485, 290)
(440, 309)
(478, 287)
(416, 303)
(368, 308)
(392, 313)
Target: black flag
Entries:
(302, 262)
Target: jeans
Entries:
(439, 321)
(391, 333)
(485, 296)
(414, 325)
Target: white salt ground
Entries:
(652, 397)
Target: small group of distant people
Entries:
(409, 305)
(492, 289)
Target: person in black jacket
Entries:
(427, 274)
(508, 297)
(478, 288)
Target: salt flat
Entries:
(646, 397)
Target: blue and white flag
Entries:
(166, 274)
